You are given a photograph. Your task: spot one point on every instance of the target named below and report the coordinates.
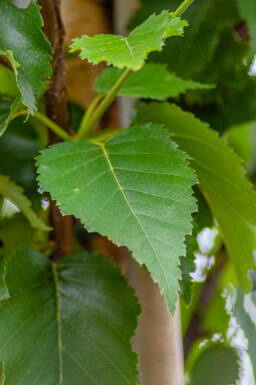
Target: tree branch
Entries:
(57, 109)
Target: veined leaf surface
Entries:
(135, 189)
(153, 81)
(221, 177)
(130, 52)
(26, 48)
(69, 323)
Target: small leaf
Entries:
(218, 364)
(26, 48)
(135, 189)
(130, 52)
(69, 323)
(222, 180)
(8, 110)
(153, 81)
(14, 193)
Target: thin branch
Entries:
(57, 109)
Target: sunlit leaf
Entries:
(130, 52)
(135, 188)
(222, 180)
(67, 323)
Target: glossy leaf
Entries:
(130, 52)
(9, 190)
(222, 180)
(216, 365)
(135, 188)
(26, 48)
(248, 12)
(67, 323)
(153, 81)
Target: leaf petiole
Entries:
(49, 123)
(84, 123)
(106, 102)
(183, 7)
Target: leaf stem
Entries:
(106, 102)
(49, 123)
(84, 123)
(183, 7)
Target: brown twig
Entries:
(57, 108)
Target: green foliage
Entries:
(248, 12)
(162, 85)
(130, 52)
(222, 180)
(135, 188)
(216, 364)
(8, 85)
(26, 48)
(14, 193)
(67, 323)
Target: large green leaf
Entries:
(216, 365)
(26, 47)
(135, 188)
(9, 190)
(69, 323)
(222, 179)
(248, 12)
(130, 52)
(153, 81)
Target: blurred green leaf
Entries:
(14, 193)
(153, 81)
(222, 180)
(248, 13)
(8, 84)
(217, 364)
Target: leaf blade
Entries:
(16, 41)
(162, 85)
(135, 189)
(130, 52)
(97, 306)
(222, 178)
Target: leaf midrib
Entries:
(58, 319)
(131, 209)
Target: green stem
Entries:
(82, 131)
(105, 135)
(49, 123)
(183, 7)
(106, 102)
